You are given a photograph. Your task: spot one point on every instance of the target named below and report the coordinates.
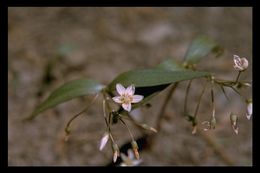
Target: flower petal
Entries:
(238, 67)
(104, 141)
(137, 98)
(127, 107)
(130, 154)
(244, 63)
(120, 89)
(117, 99)
(130, 90)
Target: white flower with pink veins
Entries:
(126, 96)
(241, 64)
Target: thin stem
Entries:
(213, 103)
(75, 116)
(198, 105)
(111, 137)
(104, 112)
(163, 108)
(224, 92)
(238, 93)
(239, 73)
(186, 97)
(131, 135)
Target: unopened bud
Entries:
(146, 127)
(116, 152)
(234, 122)
(194, 130)
(213, 123)
(243, 84)
(135, 149)
(104, 140)
(249, 109)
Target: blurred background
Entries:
(50, 46)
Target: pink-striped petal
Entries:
(117, 99)
(120, 89)
(137, 98)
(130, 90)
(127, 107)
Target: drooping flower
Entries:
(130, 159)
(249, 109)
(126, 96)
(241, 64)
(103, 141)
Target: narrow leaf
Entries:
(153, 77)
(68, 91)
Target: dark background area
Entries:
(50, 46)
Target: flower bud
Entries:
(234, 122)
(249, 109)
(116, 152)
(104, 140)
(241, 64)
(213, 123)
(194, 129)
(135, 149)
(146, 127)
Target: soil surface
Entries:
(50, 46)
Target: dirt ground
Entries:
(50, 46)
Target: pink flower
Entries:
(126, 96)
(241, 64)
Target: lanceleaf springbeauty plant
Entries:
(133, 89)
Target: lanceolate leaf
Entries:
(153, 77)
(68, 91)
(200, 48)
(149, 82)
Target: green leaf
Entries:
(200, 48)
(153, 77)
(170, 64)
(149, 82)
(68, 91)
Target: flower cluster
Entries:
(126, 97)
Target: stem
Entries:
(197, 108)
(131, 135)
(239, 73)
(213, 103)
(78, 114)
(238, 93)
(224, 92)
(104, 112)
(186, 98)
(163, 108)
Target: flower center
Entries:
(125, 98)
